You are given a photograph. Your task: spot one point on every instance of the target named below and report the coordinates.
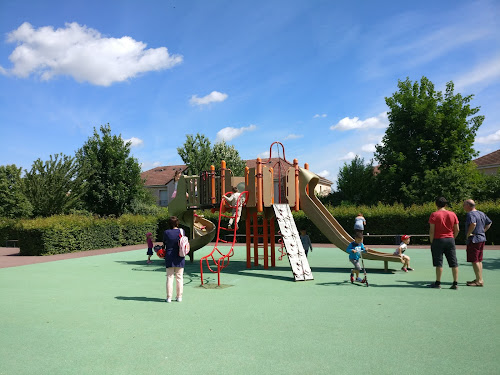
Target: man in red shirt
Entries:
(443, 231)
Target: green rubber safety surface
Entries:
(107, 315)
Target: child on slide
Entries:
(405, 259)
(354, 250)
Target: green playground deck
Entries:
(106, 315)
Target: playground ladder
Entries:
(296, 253)
(223, 261)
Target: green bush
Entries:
(7, 230)
(71, 233)
(135, 227)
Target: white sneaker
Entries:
(179, 299)
(168, 300)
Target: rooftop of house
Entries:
(488, 160)
(163, 175)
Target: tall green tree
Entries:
(112, 177)
(13, 202)
(54, 186)
(222, 151)
(355, 182)
(196, 153)
(427, 131)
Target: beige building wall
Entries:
(489, 170)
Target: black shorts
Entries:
(150, 251)
(444, 246)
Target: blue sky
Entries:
(311, 74)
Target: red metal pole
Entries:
(248, 241)
(273, 237)
(255, 240)
(266, 253)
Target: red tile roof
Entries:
(491, 159)
(161, 175)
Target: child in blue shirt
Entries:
(354, 250)
(306, 241)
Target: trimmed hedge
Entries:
(7, 230)
(71, 233)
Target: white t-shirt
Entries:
(403, 247)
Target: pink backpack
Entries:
(183, 244)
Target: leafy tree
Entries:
(13, 202)
(53, 187)
(487, 188)
(112, 177)
(427, 131)
(196, 153)
(222, 151)
(456, 182)
(356, 181)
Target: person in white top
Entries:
(405, 259)
(233, 201)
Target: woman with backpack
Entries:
(173, 261)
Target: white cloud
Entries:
(213, 97)
(135, 142)
(485, 72)
(293, 136)
(349, 156)
(318, 115)
(84, 54)
(348, 123)
(324, 173)
(369, 147)
(3, 71)
(230, 133)
(492, 138)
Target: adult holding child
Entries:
(442, 233)
(173, 262)
(476, 226)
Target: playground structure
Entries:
(260, 209)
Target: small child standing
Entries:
(149, 239)
(306, 241)
(354, 250)
(405, 259)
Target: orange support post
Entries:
(222, 177)
(247, 171)
(273, 255)
(306, 166)
(265, 230)
(212, 183)
(259, 185)
(248, 227)
(297, 192)
(255, 240)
